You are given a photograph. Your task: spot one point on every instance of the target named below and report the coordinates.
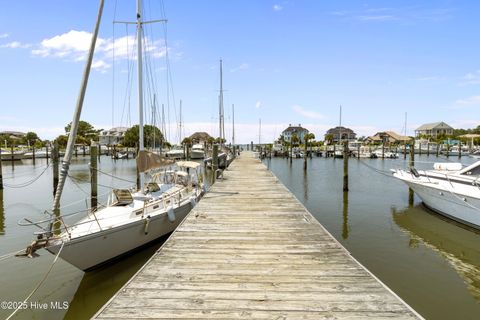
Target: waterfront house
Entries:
(434, 129)
(298, 130)
(113, 136)
(388, 137)
(341, 134)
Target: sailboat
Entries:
(131, 218)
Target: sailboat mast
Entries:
(76, 117)
(140, 82)
(233, 124)
(259, 131)
(153, 120)
(221, 132)
(180, 125)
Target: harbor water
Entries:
(430, 262)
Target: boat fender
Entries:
(147, 222)
(171, 214)
(193, 201)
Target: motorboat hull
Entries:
(449, 201)
(87, 252)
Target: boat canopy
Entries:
(147, 160)
(188, 164)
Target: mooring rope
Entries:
(38, 284)
(27, 183)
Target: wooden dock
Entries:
(250, 250)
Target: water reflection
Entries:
(2, 214)
(345, 227)
(457, 245)
(305, 185)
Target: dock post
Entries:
(383, 150)
(411, 164)
(428, 149)
(46, 149)
(405, 151)
(12, 156)
(345, 166)
(33, 154)
(358, 152)
(76, 151)
(93, 176)
(459, 150)
(448, 149)
(214, 162)
(83, 150)
(438, 149)
(305, 157)
(1, 175)
(55, 156)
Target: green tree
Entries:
(132, 135)
(329, 138)
(85, 132)
(62, 141)
(31, 138)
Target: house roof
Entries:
(396, 136)
(200, 136)
(338, 129)
(295, 129)
(434, 125)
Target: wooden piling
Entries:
(345, 166)
(93, 177)
(46, 149)
(383, 150)
(1, 175)
(55, 157)
(404, 151)
(83, 150)
(76, 151)
(438, 149)
(459, 150)
(428, 149)
(214, 162)
(448, 150)
(305, 157)
(33, 154)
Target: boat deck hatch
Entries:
(153, 187)
(124, 197)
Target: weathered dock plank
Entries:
(250, 250)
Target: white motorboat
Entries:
(6, 155)
(197, 152)
(449, 189)
(175, 153)
(39, 154)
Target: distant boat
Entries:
(197, 151)
(17, 155)
(175, 153)
(449, 189)
(39, 154)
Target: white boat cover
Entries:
(454, 166)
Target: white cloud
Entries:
(4, 35)
(15, 45)
(470, 101)
(385, 17)
(308, 114)
(258, 104)
(471, 78)
(243, 66)
(74, 45)
(277, 7)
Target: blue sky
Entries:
(284, 62)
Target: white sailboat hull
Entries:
(89, 251)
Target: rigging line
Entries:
(9, 255)
(27, 183)
(113, 176)
(77, 185)
(113, 64)
(38, 285)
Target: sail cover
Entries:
(147, 160)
